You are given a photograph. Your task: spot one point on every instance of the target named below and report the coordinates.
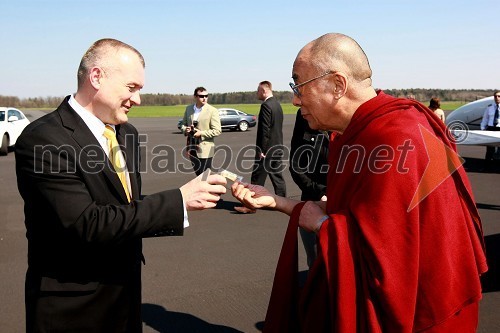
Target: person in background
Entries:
(490, 123)
(269, 143)
(269, 140)
(399, 249)
(201, 124)
(78, 173)
(309, 168)
(435, 106)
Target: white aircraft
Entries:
(464, 123)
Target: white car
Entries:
(12, 123)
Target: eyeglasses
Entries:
(497, 96)
(202, 96)
(295, 87)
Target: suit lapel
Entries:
(93, 156)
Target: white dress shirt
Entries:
(96, 126)
(196, 113)
(489, 116)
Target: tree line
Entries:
(250, 97)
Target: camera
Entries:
(193, 126)
(191, 140)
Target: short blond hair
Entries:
(98, 53)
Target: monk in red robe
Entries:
(400, 243)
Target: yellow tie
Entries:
(114, 156)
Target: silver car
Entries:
(233, 119)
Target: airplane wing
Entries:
(478, 138)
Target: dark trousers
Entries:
(199, 164)
(490, 151)
(310, 245)
(273, 168)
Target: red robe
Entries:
(382, 267)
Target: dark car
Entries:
(233, 119)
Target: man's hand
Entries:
(197, 133)
(203, 191)
(253, 196)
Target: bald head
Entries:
(339, 52)
(332, 79)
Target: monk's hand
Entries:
(253, 196)
(204, 191)
(312, 216)
(321, 204)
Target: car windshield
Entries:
(2, 115)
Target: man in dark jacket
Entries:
(309, 169)
(78, 173)
(269, 143)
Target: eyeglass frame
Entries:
(296, 86)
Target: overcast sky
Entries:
(231, 45)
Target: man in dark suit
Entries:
(84, 213)
(309, 169)
(269, 154)
(269, 144)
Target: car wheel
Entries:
(243, 126)
(4, 150)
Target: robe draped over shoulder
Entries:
(384, 265)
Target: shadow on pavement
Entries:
(487, 206)
(478, 165)
(158, 318)
(229, 205)
(302, 280)
(491, 279)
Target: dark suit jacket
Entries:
(309, 159)
(270, 126)
(84, 239)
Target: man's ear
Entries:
(341, 84)
(95, 75)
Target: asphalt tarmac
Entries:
(218, 276)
